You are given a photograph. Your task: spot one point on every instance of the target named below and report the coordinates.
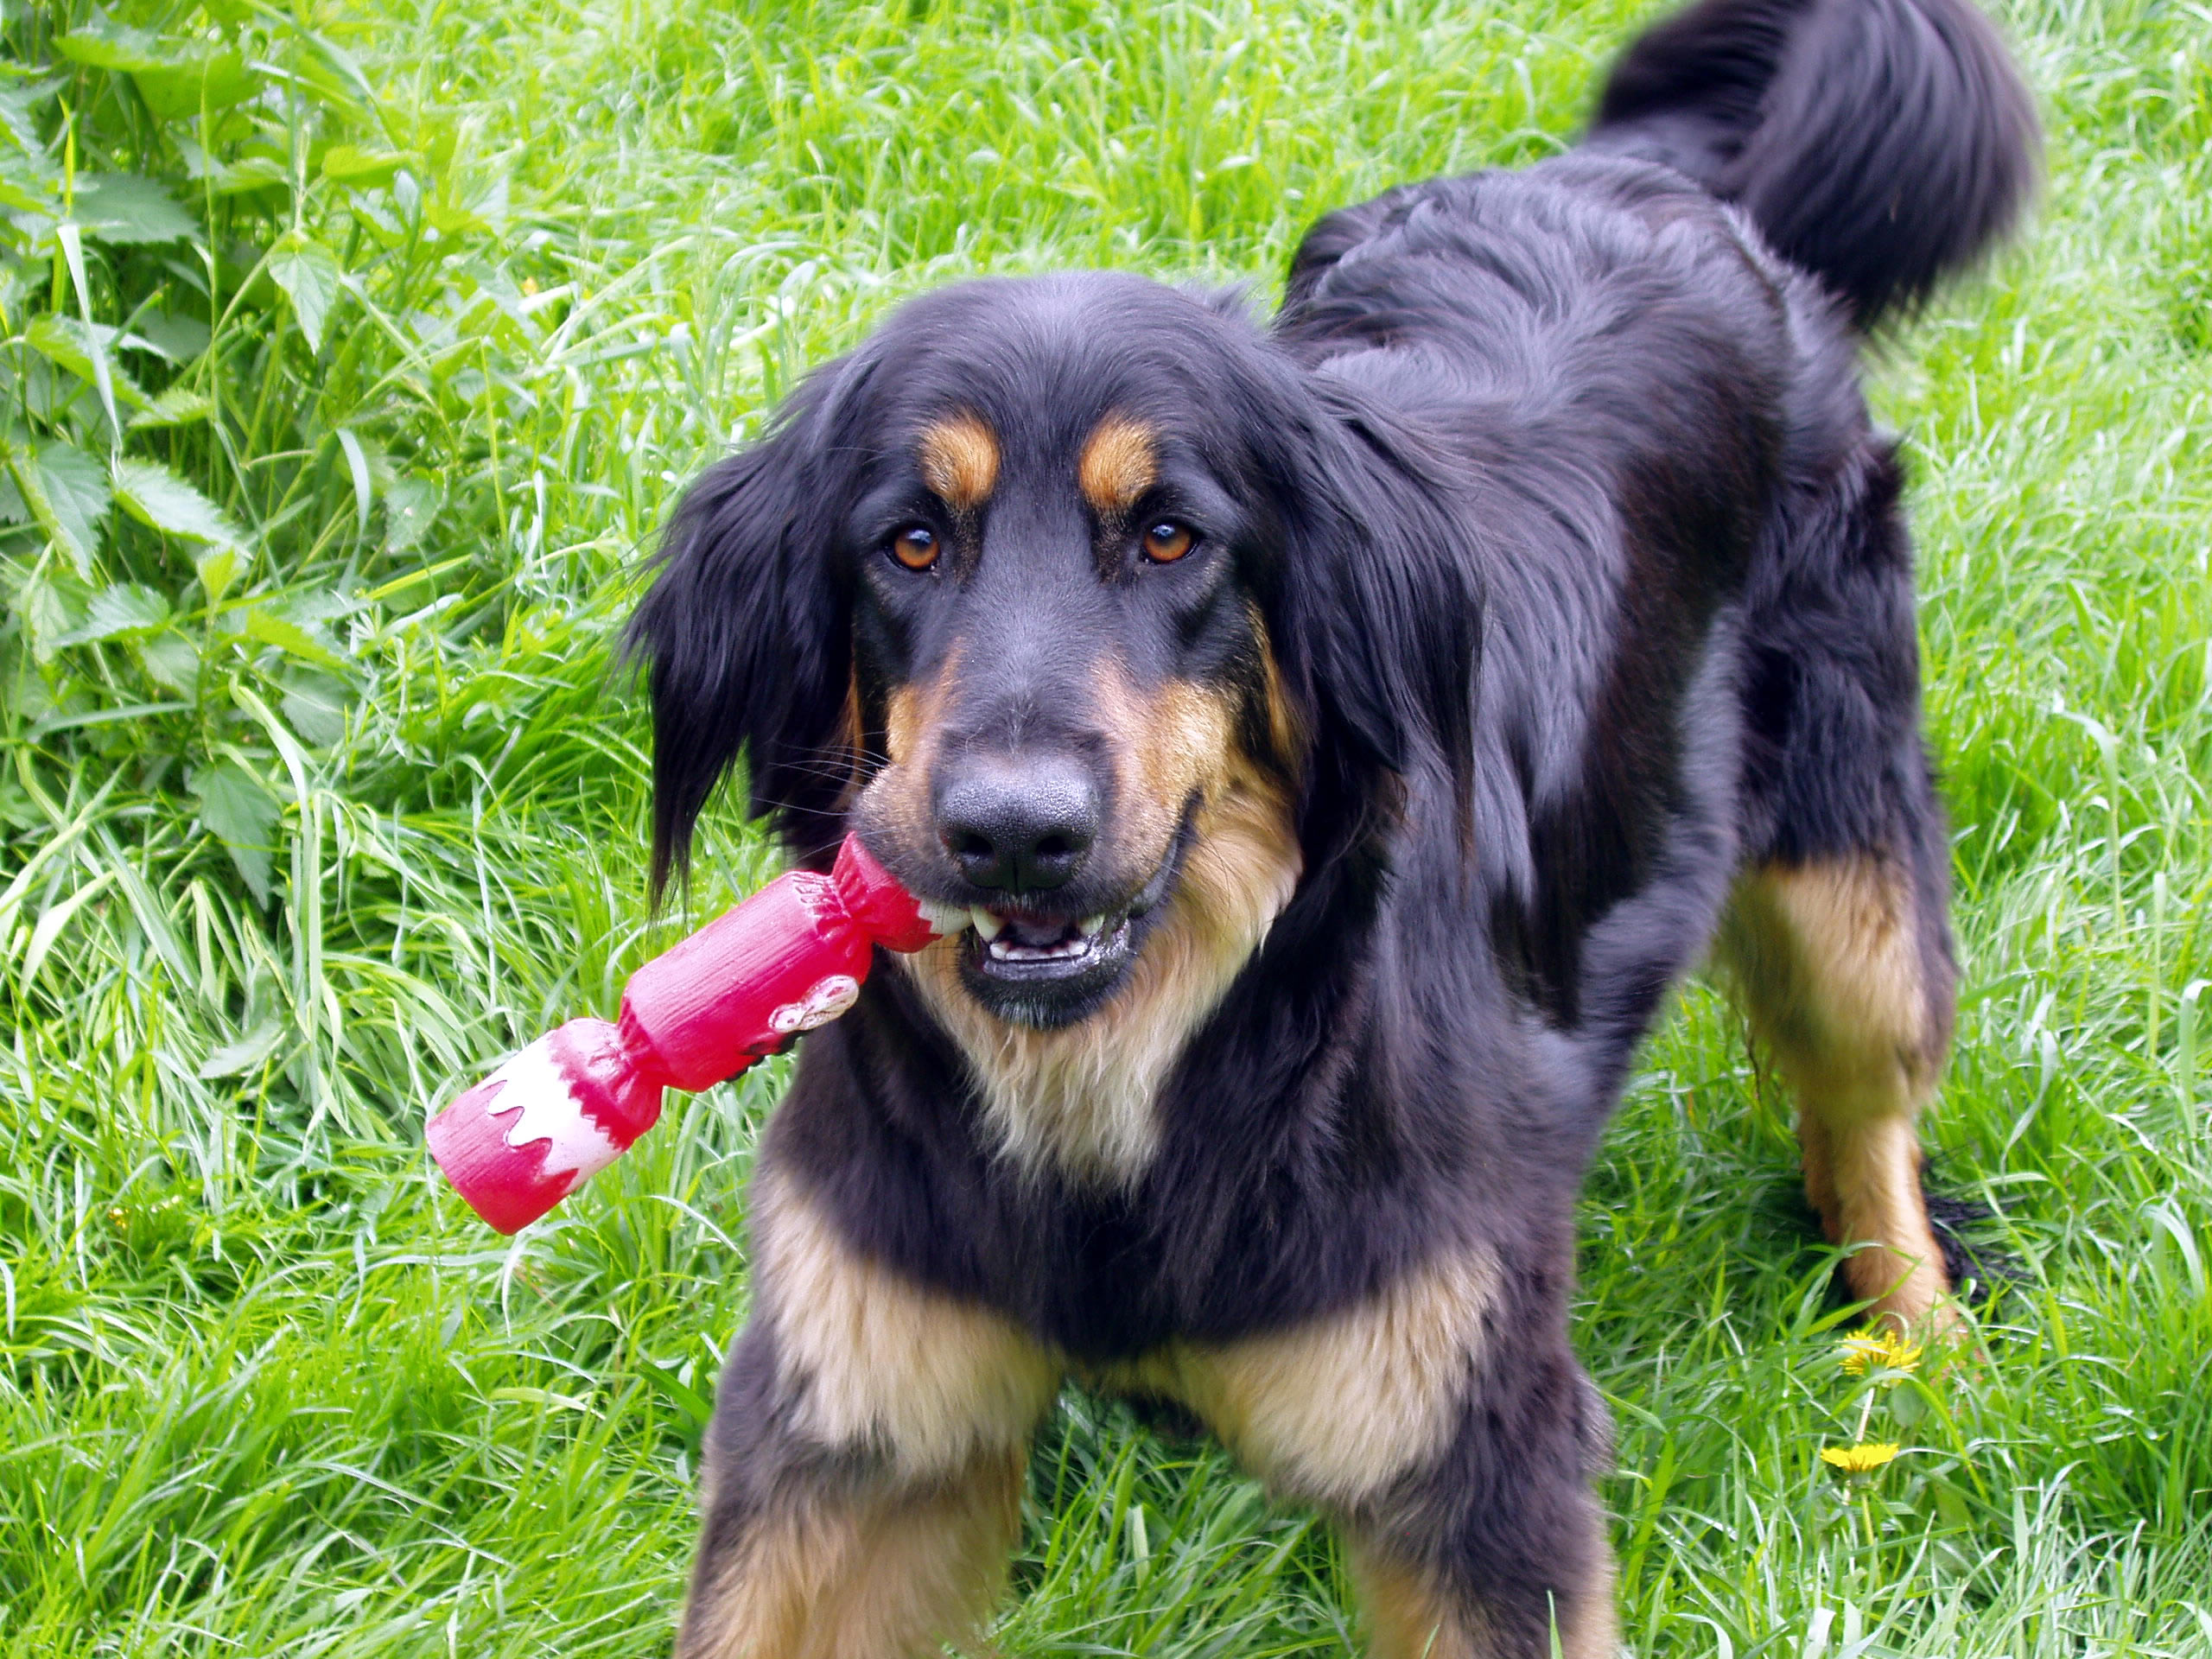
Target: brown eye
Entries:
(1167, 541)
(915, 547)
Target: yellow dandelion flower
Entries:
(1858, 1459)
(1883, 1350)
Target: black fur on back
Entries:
(1879, 144)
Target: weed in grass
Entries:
(350, 356)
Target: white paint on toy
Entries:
(830, 998)
(546, 1109)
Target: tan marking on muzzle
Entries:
(960, 461)
(1120, 462)
(913, 717)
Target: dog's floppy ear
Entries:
(1375, 617)
(747, 634)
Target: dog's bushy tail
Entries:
(1880, 144)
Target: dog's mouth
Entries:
(1020, 950)
(1037, 968)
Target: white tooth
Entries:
(1003, 949)
(1091, 926)
(986, 924)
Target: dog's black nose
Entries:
(1024, 827)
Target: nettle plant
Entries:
(213, 376)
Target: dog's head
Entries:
(1086, 605)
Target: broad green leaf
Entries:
(124, 207)
(452, 219)
(309, 274)
(215, 82)
(251, 173)
(176, 407)
(155, 496)
(173, 661)
(30, 179)
(106, 44)
(259, 170)
(290, 638)
(217, 569)
(170, 334)
(19, 113)
(410, 505)
(257, 865)
(67, 344)
(78, 487)
(239, 812)
(236, 1059)
(28, 198)
(316, 705)
(66, 492)
(126, 610)
(46, 617)
(351, 164)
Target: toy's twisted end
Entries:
(885, 911)
(788, 959)
(553, 1116)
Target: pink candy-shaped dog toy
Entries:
(788, 959)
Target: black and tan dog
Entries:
(1342, 732)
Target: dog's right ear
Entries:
(747, 635)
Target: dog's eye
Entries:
(915, 547)
(1167, 541)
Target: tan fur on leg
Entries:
(1877, 1171)
(905, 1418)
(1333, 1411)
(1829, 959)
(1409, 1617)
(875, 1362)
(1597, 1630)
(1406, 1617)
(894, 1576)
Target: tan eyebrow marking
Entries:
(1120, 462)
(960, 461)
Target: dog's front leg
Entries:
(1497, 1549)
(1445, 1423)
(1517, 1568)
(864, 1466)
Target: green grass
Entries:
(266, 1387)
